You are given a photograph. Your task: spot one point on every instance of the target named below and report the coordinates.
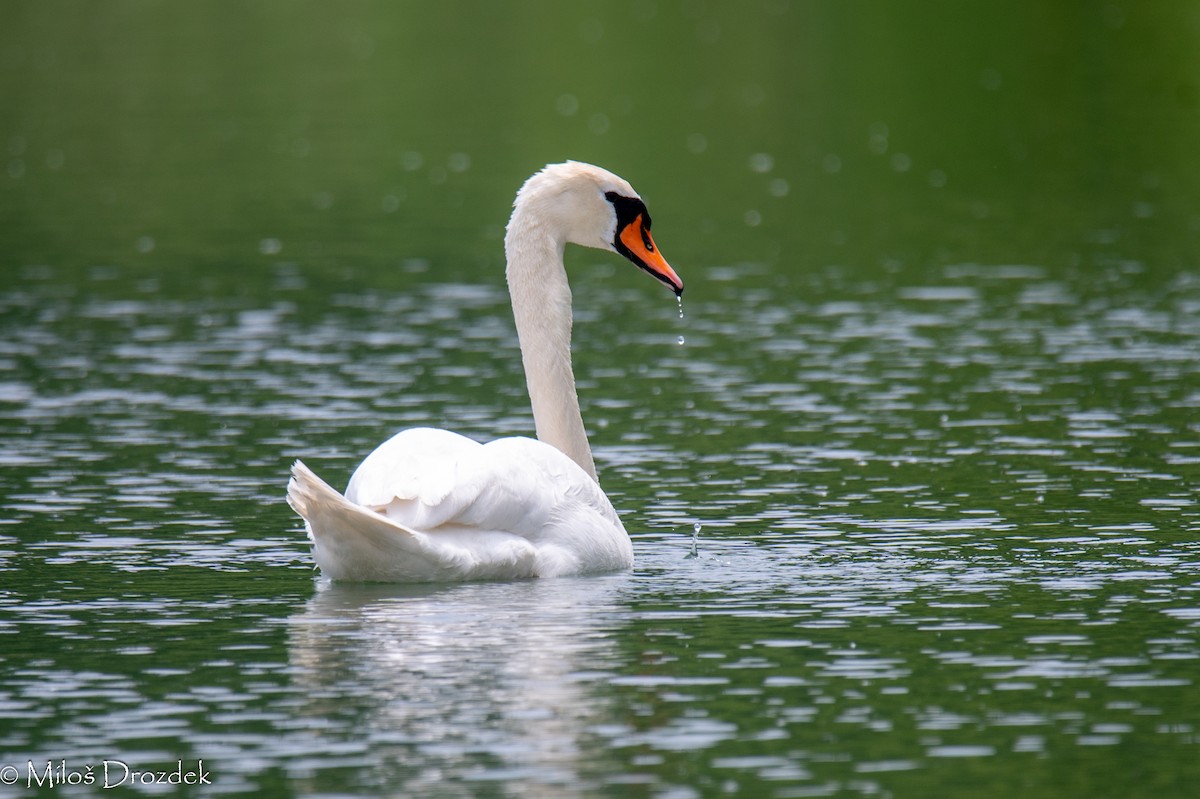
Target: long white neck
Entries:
(541, 301)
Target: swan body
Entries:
(431, 505)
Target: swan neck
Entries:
(541, 301)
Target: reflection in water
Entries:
(473, 683)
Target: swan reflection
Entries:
(473, 682)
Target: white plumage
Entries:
(432, 505)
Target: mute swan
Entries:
(431, 505)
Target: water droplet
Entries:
(681, 341)
(679, 299)
(696, 528)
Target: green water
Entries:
(936, 412)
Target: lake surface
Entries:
(914, 503)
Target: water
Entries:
(906, 580)
(936, 412)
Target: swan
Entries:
(429, 505)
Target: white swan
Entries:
(431, 505)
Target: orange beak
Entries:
(639, 248)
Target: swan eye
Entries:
(646, 240)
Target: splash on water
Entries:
(694, 553)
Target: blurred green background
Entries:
(197, 141)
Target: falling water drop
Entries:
(679, 299)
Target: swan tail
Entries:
(312, 497)
(354, 542)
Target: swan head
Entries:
(589, 206)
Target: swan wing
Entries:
(433, 505)
(353, 542)
(419, 465)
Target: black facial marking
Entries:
(628, 209)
